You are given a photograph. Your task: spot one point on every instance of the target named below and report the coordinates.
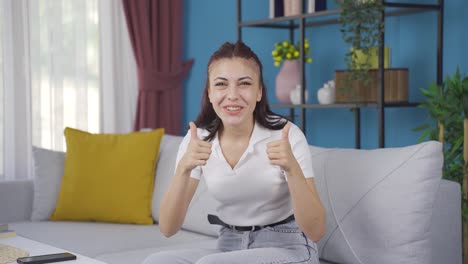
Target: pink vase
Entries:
(287, 79)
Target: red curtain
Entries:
(155, 28)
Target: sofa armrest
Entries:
(16, 198)
(446, 227)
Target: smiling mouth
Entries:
(233, 108)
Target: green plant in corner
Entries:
(361, 27)
(447, 106)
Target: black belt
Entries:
(214, 220)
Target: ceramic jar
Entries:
(287, 79)
(326, 94)
(296, 94)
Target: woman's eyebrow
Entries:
(240, 79)
(221, 78)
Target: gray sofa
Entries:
(383, 206)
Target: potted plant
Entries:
(447, 105)
(361, 27)
(287, 54)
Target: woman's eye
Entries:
(245, 83)
(220, 84)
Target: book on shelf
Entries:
(3, 226)
(276, 8)
(7, 233)
(316, 5)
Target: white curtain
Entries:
(118, 70)
(16, 96)
(2, 110)
(65, 63)
(64, 69)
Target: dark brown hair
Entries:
(207, 117)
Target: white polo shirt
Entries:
(254, 192)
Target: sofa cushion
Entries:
(201, 205)
(378, 202)
(108, 177)
(202, 202)
(93, 239)
(48, 172)
(164, 171)
(48, 166)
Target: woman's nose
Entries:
(233, 92)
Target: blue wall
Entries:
(411, 38)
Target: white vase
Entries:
(326, 94)
(296, 94)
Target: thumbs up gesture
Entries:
(280, 152)
(197, 153)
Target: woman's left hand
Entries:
(280, 152)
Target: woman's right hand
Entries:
(197, 153)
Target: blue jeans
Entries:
(280, 244)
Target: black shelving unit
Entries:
(328, 17)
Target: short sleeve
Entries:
(301, 150)
(196, 172)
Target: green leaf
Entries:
(424, 136)
(421, 127)
(457, 144)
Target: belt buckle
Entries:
(252, 229)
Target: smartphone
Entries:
(46, 258)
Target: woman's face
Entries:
(234, 90)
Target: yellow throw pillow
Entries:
(108, 177)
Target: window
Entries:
(49, 77)
(53, 74)
(64, 61)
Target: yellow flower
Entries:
(286, 50)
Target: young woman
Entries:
(255, 163)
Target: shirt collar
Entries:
(259, 133)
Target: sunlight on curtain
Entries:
(64, 55)
(2, 105)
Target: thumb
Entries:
(193, 130)
(285, 134)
